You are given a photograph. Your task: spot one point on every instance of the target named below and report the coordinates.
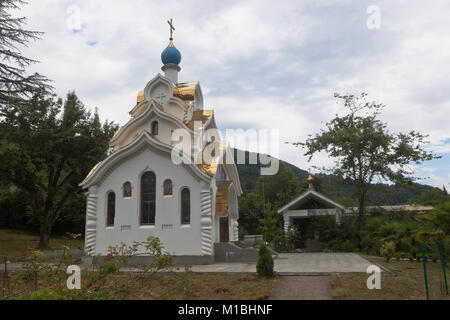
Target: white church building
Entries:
(140, 191)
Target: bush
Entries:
(388, 250)
(344, 246)
(264, 267)
(280, 242)
(110, 267)
(44, 294)
(434, 257)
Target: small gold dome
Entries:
(310, 178)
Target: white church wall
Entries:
(165, 128)
(177, 239)
(175, 108)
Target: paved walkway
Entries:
(286, 264)
(314, 263)
(302, 288)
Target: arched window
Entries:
(111, 207)
(127, 190)
(167, 187)
(185, 206)
(148, 198)
(155, 128)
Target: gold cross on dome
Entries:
(172, 28)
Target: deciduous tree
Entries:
(364, 149)
(47, 147)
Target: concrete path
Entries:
(287, 264)
(314, 263)
(302, 288)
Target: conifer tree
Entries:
(16, 86)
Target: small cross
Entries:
(160, 96)
(172, 28)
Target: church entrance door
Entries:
(224, 233)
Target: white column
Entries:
(235, 230)
(206, 223)
(90, 235)
(338, 216)
(287, 222)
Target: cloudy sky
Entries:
(261, 64)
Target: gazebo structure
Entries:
(309, 204)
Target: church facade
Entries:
(190, 200)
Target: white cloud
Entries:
(262, 64)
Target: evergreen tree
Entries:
(15, 85)
(47, 147)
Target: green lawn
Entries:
(14, 243)
(406, 283)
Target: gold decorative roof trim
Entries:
(200, 115)
(92, 171)
(222, 198)
(185, 90)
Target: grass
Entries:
(15, 244)
(406, 283)
(224, 286)
(163, 286)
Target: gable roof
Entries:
(144, 139)
(310, 194)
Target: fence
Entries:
(435, 270)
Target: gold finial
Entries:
(172, 28)
(310, 183)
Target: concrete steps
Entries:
(237, 251)
(312, 245)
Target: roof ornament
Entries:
(171, 57)
(172, 28)
(310, 183)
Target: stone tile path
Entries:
(302, 288)
(298, 264)
(287, 264)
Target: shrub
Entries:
(280, 242)
(44, 294)
(110, 267)
(264, 267)
(344, 246)
(433, 257)
(348, 246)
(388, 250)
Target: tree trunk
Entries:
(361, 215)
(360, 219)
(45, 230)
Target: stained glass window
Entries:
(127, 190)
(111, 207)
(148, 198)
(167, 187)
(185, 206)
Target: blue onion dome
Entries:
(171, 55)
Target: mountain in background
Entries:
(380, 194)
